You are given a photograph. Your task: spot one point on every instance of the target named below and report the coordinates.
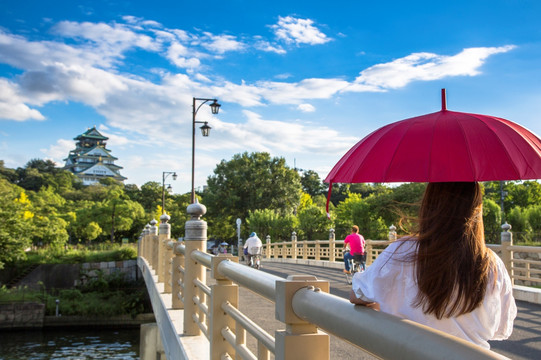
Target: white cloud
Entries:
(426, 67)
(266, 46)
(178, 54)
(59, 151)
(221, 43)
(306, 108)
(112, 40)
(293, 93)
(12, 104)
(299, 31)
(274, 136)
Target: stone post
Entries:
(507, 254)
(331, 244)
(293, 245)
(177, 277)
(195, 239)
(224, 291)
(146, 240)
(154, 241)
(392, 233)
(163, 238)
(268, 245)
(168, 273)
(300, 339)
(140, 245)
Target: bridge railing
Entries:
(302, 304)
(522, 262)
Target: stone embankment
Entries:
(23, 315)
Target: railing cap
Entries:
(196, 210)
(165, 218)
(506, 227)
(153, 222)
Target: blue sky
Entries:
(302, 80)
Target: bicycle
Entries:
(355, 265)
(255, 257)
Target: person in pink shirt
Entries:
(355, 241)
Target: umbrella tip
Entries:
(443, 100)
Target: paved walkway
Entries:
(524, 343)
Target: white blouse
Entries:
(391, 282)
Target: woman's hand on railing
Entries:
(355, 300)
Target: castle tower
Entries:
(91, 160)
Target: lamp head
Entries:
(205, 129)
(215, 107)
(174, 176)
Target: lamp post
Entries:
(205, 130)
(169, 188)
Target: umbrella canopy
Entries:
(441, 147)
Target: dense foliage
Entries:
(44, 206)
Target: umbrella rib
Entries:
(396, 150)
(485, 124)
(468, 150)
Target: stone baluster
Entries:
(148, 245)
(507, 254)
(392, 233)
(177, 278)
(163, 238)
(154, 241)
(293, 245)
(195, 239)
(223, 291)
(268, 245)
(331, 245)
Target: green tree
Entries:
(116, 212)
(250, 182)
(357, 211)
(9, 174)
(492, 220)
(50, 228)
(313, 223)
(92, 231)
(518, 219)
(270, 222)
(16, 225)
(533, 213)
(312, 184)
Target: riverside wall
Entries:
(24, 315)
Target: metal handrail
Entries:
(204, 258)
(266, 339)
(313, 306)
(241, 349)
(259, 282)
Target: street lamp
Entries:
(205, 130)
(165, 174)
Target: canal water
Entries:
(70, 344)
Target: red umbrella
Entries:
(440, 147)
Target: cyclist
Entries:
(253, 245)
(355, 242)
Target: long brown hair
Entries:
(452, 262)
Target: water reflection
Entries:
(70, 344)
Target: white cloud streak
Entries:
(426, 67)
(299, 31)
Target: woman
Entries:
(445, 277)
